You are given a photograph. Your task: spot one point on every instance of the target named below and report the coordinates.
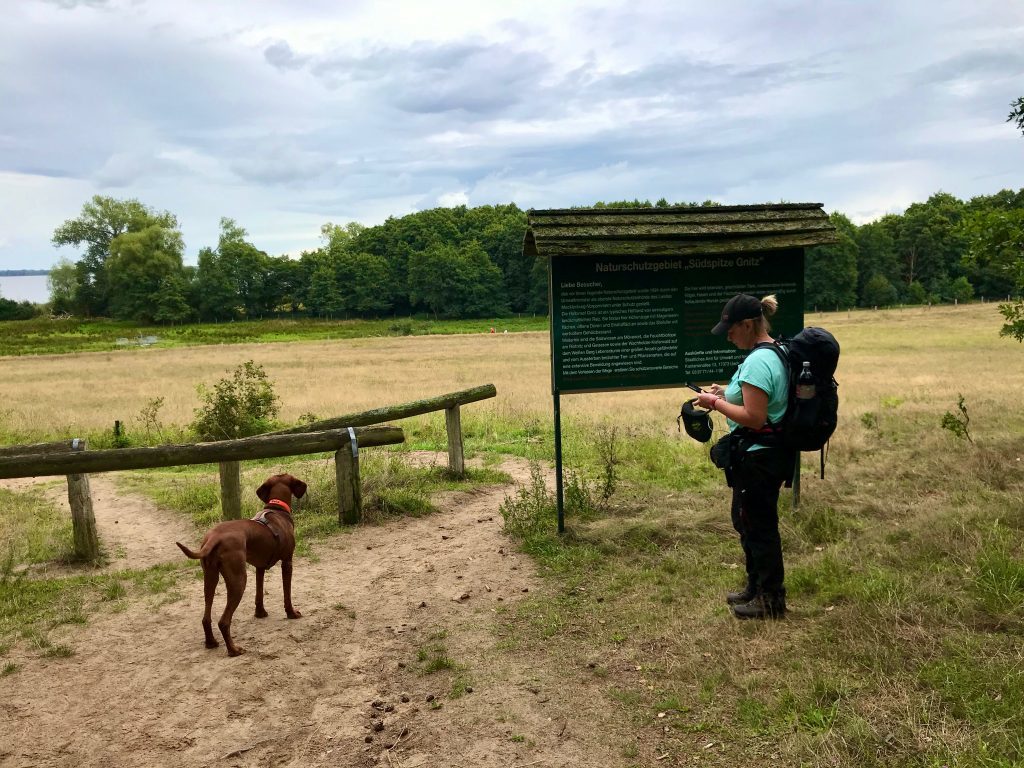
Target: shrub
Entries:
(17, 310)
(238, 406)
(149, 419)
(608, 451)
(959, 423)
(401, 328)
(532, 509)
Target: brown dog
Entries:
(261, 542)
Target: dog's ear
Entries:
(298, 487)
(264, 490)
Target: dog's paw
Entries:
(294, 615)
(261, 613)
(212, 643)
(236, 651)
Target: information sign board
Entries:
(645, 322)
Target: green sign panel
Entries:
(645, 322)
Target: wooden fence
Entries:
(71, 458)
(343, 434)
(449, 403)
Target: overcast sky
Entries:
(287, 115)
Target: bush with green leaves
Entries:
(959, 423)
(240, 405)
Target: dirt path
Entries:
(342, 686)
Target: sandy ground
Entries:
(341, 686)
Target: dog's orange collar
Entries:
(281, 504)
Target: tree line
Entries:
(941, 250)
(468, 262)
(449, 262)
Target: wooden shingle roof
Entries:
(676, 231)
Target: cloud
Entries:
(981, 64)
(281, 55)
(283, 164)
(125, 168)
(453, 199)
(70, 4)
(470, 76)
(287, 116)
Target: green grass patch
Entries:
(905, 579)
(981, 679)
(57, 336)
(32, 529)
(433, 657)
(997, 575)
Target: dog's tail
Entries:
(195, 555)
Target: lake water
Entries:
(25, 288)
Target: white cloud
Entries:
(453, 199)
(285, 116)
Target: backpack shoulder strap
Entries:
(777, 348)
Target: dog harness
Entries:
(278, 506)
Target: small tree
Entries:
(879, 292)
(916, 294)
(62, 281)
(961, 290)
(239, 406)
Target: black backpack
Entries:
(808, 424)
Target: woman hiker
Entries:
(756, 395)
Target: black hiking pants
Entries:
(756, 480)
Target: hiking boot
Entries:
(762, 606)
(745, 596)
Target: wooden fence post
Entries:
(231, 490)
(83, 520)
(350, 492)
(456, 457)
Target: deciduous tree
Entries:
(139, 265)
(830, 271)
(996, 240)
(101, 221)
(61, 282)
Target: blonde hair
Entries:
(769, 305)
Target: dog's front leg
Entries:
(261, 612)
(286, 579)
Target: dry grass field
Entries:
(919, 357)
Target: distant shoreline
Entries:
(23, 272)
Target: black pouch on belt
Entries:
(723, 452)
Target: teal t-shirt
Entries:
(762, 369)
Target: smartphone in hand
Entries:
(695, 388)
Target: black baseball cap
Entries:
(742, 306)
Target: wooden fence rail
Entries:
(58, 446)
(259, 447)
(449, 403)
